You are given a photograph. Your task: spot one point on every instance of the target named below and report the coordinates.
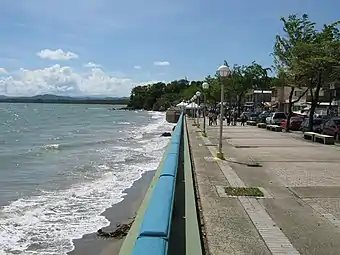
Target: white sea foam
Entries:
(138, 136)
(160, 122)
(47, 224)
(103, 167)
(157, 115)
(54, 146)
(52, 220)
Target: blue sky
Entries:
(123, 40)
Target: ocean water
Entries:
(61, 166)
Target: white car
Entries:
(275, 118)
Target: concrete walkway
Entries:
(300, 210)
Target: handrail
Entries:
(192, 232)
(151, 228)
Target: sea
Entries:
(63, 165)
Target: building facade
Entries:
(257, 100)
(280, 99)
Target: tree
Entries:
(258, 76)
(191, 89)
(239, 84)
(297, 30)
(160, 96)
(318, 62)
(214, 92)
(241, 79)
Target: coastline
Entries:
(119, 213)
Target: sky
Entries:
(106, 47)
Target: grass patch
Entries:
(245, 192)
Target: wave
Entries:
(156, 115)
(80, 144)
(54, 146)
(47, 224)
(160, 122)
(137, 133)
(139, 136)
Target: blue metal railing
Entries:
(154, 231)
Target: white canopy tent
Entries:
(192, 106)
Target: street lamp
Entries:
(205, 87)
(193, 99)
(198, 94)
(224, 72)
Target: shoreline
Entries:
(119, 213)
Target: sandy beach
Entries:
(117, 214)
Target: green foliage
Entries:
(297, 30)
(318, 60)
(257, 76)
(157, 96)
(160, 95)
(303, 57)
(190, 90)
(307, 57)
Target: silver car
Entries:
(275, 118)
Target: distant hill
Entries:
(54, 99)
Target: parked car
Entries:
(263, 116)
(299, 115)
(317, 125)
(295, 123)
(332, 127)
(253, 117)
(275, 118)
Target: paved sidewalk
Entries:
(300, 212)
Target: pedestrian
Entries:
(243, 119)
(234, 117)
(210, 117)
(215, 119)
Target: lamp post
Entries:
(223, 72)
(192, 112)
(193, 99)
(205, 87)
(198, 94)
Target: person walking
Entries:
(215, 118)
(243, 119)
(234, 117)
(210, 117)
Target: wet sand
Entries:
(117, 214)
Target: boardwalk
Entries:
(300, 210)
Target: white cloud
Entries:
(58, 54)
(92, 65)
(137, 67)
(161, 63)
(62, 80)
(3, 70)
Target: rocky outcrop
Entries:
(121, 231)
